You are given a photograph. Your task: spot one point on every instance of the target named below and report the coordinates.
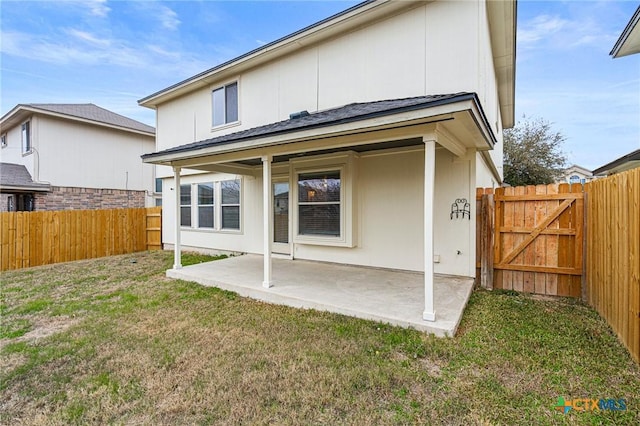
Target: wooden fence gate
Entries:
(538, 239)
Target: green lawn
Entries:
(113, 341)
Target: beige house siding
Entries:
(423, 51)
(389, 219)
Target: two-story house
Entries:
(357, 140)
(73, 156)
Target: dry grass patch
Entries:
(126, 345)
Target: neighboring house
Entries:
(373, 122)
(626, 162)
(627, 44)
(575, 174)
(73, 156)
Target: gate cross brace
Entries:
(536, 231)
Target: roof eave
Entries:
(465, 103)
(26, 188)
(21, 112)
(612, 165)
(629, 41)
(502, 16)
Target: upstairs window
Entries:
(225, 104)
(3, 140)
(26, 137)
(158, 187)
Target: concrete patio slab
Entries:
(394, 297)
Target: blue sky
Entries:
(113, 53)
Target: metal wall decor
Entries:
(460, 208)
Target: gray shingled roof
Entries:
(94, 113)
(630, 157)
(17, 176)
(331, 117)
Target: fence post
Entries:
(583, 282)
(487, 233)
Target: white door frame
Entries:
(283, 248)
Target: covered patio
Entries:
(394, 297)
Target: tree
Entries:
(532, 153)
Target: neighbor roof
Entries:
(82, 112)
(626, 162)
(331, 117)
(16, 177)
(629, 41)
(575, 167)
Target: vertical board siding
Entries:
(41, 238)
(613, 254)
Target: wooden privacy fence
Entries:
(41, 238)
(613, 254)
(564, 240)
(531, 238)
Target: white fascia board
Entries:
(629, 41)
(21, 188)
(502, 16)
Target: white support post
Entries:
(177, 259)
(267, 218)
(429, 313)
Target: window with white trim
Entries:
(212, 205)
(3, 140)
(225, 104)
(323, 193)
(185, 205)
(26, 137)
(319, 203)
(230, 204)
(206, 205)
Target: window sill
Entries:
(322, 241)
(225, 126)
(212, 231)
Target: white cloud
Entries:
(87, 37)
(540, 27)
(561, 33)
(168, 18)
(97, 8)
(61, 51)
(71, 46)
